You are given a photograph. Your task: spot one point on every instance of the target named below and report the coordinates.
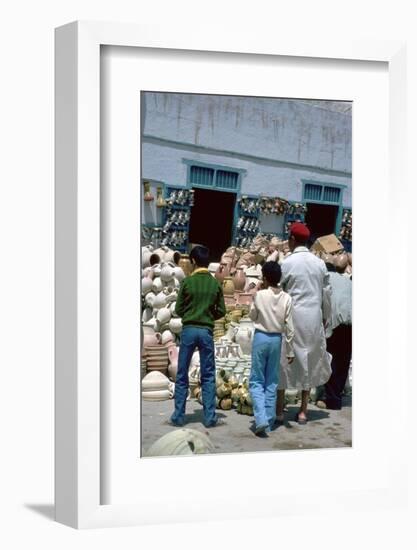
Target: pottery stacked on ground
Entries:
(156, 387)
(161, 279)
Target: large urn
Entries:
(244, 335)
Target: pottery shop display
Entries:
(163, 315)
(183, 441)
(157, 285)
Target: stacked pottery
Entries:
(218, 331)
(157, 358)
(150, 336)
(156, 387)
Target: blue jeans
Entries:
(202, 339)
(263, 380)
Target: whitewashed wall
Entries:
(277, 142)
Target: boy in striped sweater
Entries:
(200, 302)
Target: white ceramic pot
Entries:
(146, 254)
(167, 273)
(157, 395)
(149, 299)
(155, 381)
(171, 296)
(244, 335)
(157, 285)
(179, 274)
(146, 314)
(163, 315)
(167, 336)
(153, 323)
(159, 301)
(172, 256)
(175, 325)
(146, 285)
(148, 272)
(172, 309)
(157, 269)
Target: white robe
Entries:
(306, 279)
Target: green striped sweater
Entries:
(200, 300)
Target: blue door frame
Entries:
(339, 203)
(216, 168)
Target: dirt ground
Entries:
(325, 428)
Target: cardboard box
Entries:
(329, 244)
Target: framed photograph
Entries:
(208, 162)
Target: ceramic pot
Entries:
(183, 441)
(154, 259)
(231, 331)
(146, 256)
(155, 381)
(172, 256)
(273, 257)
(167, 272)
(173, 362)
(167, 336)
(222, 272)
(172, 309)
(149, 299)
(146, 285)
(157, 285)
(228, 286)
(160, 301)
(178, 273)
(163, 315)
(152, 323)
(157, 395)
(146, 314)
(244, 335)
(185, 264)
(148, 272)
(175, 325)
(239, 279)
(150, 337)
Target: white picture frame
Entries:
(77, 242)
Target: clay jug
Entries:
(228, 286)
(221, 272)
(239, 280)
(185, 264)
(244, 335)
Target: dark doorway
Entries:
(211, 221)
(321, 219)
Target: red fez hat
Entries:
(300, 232)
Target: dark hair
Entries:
(272, 272)
(330, 267)
(201, 255)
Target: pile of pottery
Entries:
(219, 329)
(342, 261)
(244, 403)
(163, 270)
(156, 387)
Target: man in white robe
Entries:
(306, 279)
